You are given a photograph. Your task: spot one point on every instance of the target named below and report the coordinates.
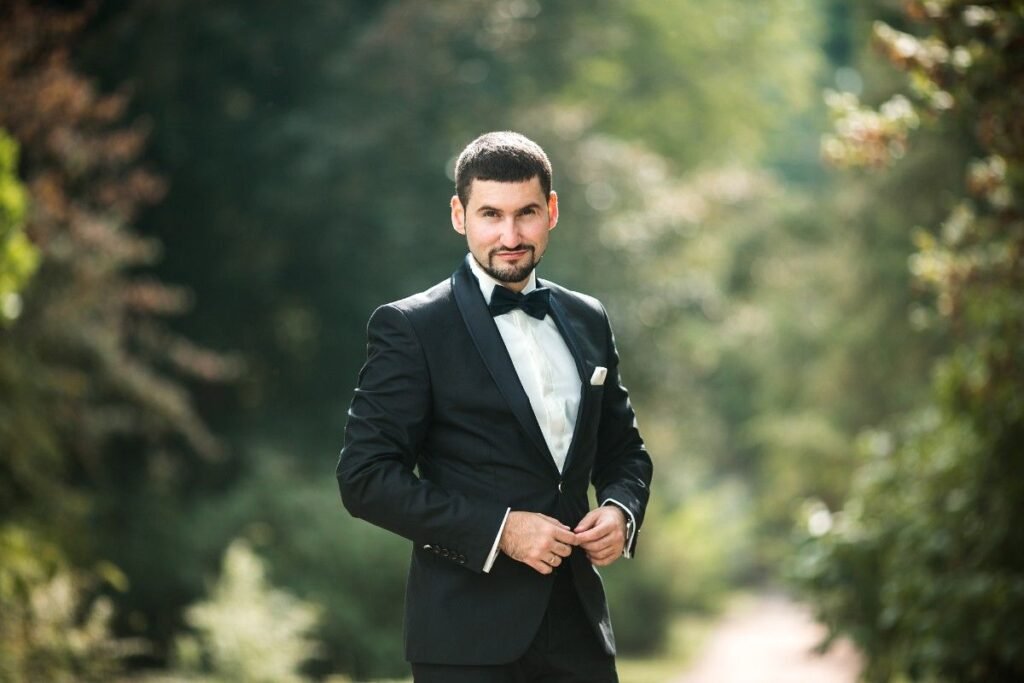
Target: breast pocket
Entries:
(598, 375)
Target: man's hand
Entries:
(602, 534)
(537, 540)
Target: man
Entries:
(487, 406)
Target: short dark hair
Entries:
(504, 156)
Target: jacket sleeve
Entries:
(387, 423)
(622, 468)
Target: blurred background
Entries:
(803, 215)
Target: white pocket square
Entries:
(599, 374)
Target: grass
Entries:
(685, 638)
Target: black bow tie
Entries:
(534, 304)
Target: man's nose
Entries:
(510, 236)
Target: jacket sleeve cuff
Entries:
(494, 548)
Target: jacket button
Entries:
(428, 547)
(559, 486)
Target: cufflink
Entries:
(597, 378)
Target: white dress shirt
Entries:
(548, 373)
(545, 367)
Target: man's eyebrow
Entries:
(531, 205)
(487, 207)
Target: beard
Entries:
(509, 272)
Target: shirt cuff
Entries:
(494, 548)
(629, 541)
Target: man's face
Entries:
(506, 227)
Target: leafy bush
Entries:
(248, 631)
(924, 566)
(52, 628)
(353, 572)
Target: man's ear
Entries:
(552, 210)
(458, 215)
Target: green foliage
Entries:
(86, 372)
(924, 566)
(689, 558)
(748, 316)
(332, 125)
(641, 611)
(247, 631)
(53, 627)
(354, 572)
(659, 73)
(763, 323)
(90, 382)
(18, 258)
(307, 149)
(921, 567)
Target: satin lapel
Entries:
(565, 326)
(495, 356)
(570, 334)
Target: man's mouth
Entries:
(512, 254)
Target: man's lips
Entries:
(512, 255)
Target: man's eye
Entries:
(490, 214)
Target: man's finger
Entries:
(596, 534)
(545, 562)
(599, 548)
(601, 557)
(600, 545)
(607, 548)
(541, 567)
(589, 520)
(565, 536)
(562, 549)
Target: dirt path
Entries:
(769, 639)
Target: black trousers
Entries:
(565, 650)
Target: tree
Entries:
(54, 628)
(924, 565)
(86, 366)
(91, 381)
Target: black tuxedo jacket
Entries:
(441, 440)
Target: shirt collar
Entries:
(488, 283)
